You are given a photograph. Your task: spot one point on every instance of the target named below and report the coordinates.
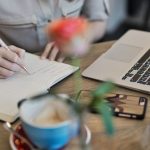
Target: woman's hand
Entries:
(52, 52)
(10, 61)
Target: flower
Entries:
(65, 29)
(69, 35)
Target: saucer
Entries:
(17, 144)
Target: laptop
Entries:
(126, 63)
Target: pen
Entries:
(6, 47)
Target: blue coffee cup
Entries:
(49, 136)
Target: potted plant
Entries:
(68, 34)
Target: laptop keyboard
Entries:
(140, 72)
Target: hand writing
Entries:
(10, 61)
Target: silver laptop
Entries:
(127, 62)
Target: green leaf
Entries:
(106, 115)
(98, 104)
(103, 89)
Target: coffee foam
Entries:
(52, 113)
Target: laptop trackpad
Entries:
(122, 52)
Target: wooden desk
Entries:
(98, 140)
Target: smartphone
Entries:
(122, 105)
(128, 106)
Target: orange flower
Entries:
(65, 29)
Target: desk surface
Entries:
(129, 126)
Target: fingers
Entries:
(20, 52)
(4, 73)
(9, 65)
(61, 58)
(10, 56)
(47, 50)
(52, 53)
(10, 61)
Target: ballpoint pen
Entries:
(6, 47)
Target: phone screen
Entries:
(127, 103)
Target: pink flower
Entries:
(68, 34)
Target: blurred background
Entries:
(125, 15)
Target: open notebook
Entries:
(43, 74)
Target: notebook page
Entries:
(43, 74)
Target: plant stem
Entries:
(77, 76)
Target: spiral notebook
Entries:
(43, 75)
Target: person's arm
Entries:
(96, 30)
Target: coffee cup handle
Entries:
(21, 102)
